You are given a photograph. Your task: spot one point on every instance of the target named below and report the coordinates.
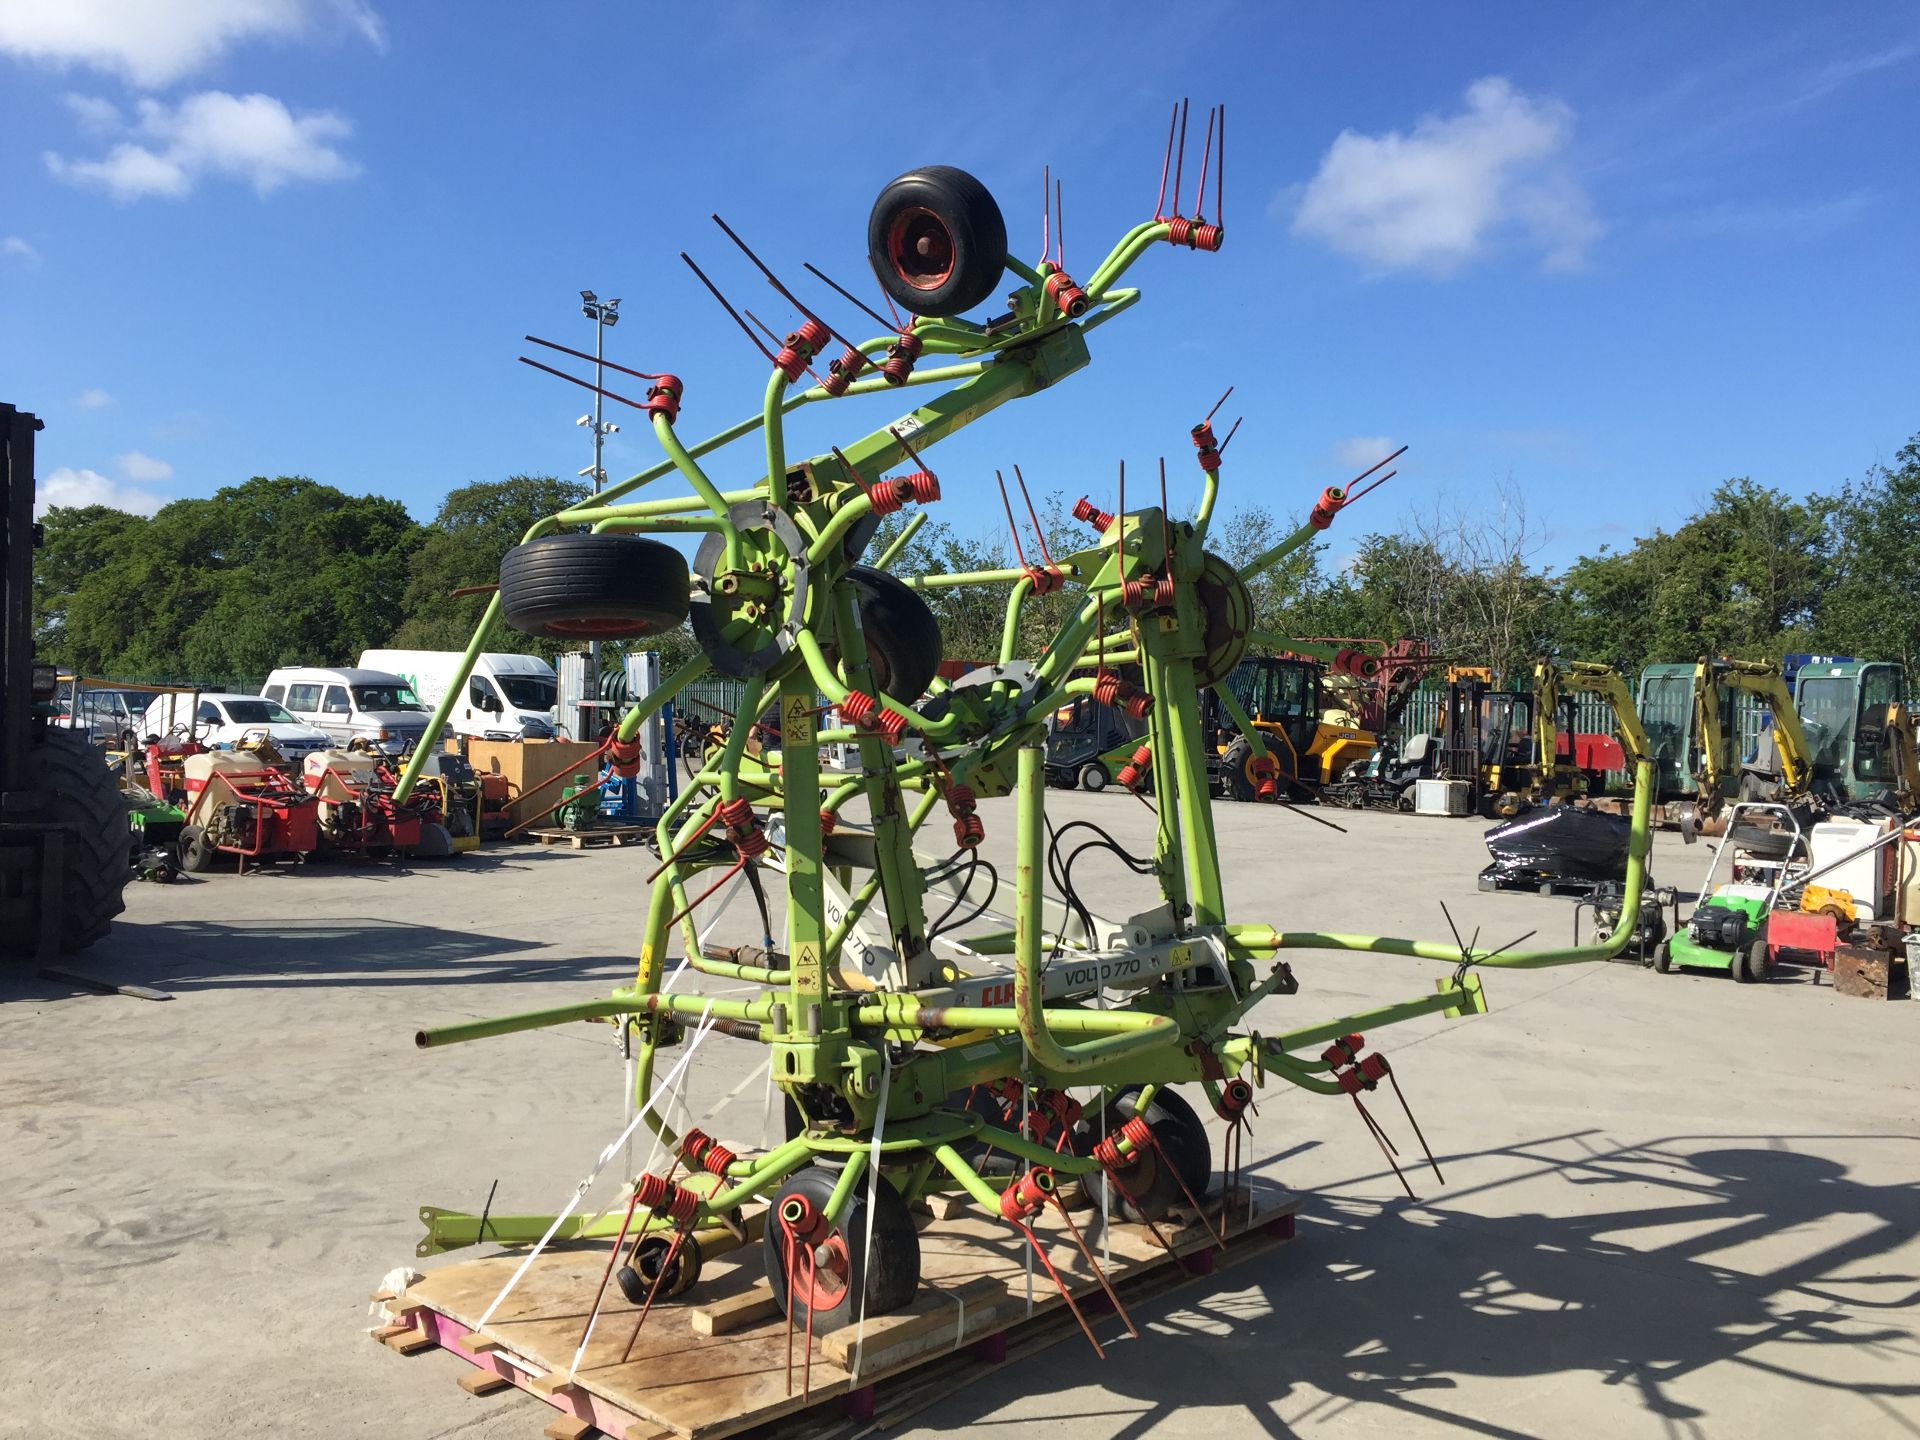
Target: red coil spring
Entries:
(708, 1153)
(1235, 1097)
(1195, 236)
(1083, 509)
(1108, 687)
(863, 712)
(1328, 505)
(900, 357)
(663, 1197)
(857, 707)
(1135, 770)
(624, 758)
(1345, 1050)
(827, 822)
(1045, 579)
(1139, 705)
(736, 813)
(960, 800)
(1069, 297)
(889, 495)
(1204, 442)
(1026, 1195)
(1135, 1133)
(969, 831)
(753, 842)
(1374, 1067)
(1155, 591)
(802, 1219)
(843, 372)
(663, 397)
(790, 363)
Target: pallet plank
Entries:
(484, 1382)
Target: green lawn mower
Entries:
(1728, 928)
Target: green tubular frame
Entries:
(827, 1035)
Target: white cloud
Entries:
(94, 400)
(253, 138)
(156, 42)
(96, 116)
(1439, 197)
(16, 248)
(138, 466)
(67, 486)
(1363, 450)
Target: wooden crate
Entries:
(527, 764)
(715, 1364)
(1873, 974)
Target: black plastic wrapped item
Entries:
(1560, 843)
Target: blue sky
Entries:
(1607, 256)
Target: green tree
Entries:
(1873, 608)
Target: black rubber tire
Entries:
(890, 1281)
(637, 1281)
(1662, 958)
(1233, 769)
(1751, 965)
(937, 241)
(593, 587)
(1093, 777)
(1151, 1188)
(196, 855)
(86, 803)
(903, 637)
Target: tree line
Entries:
(286, 570)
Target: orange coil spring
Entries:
(844, 371)
(1027, 1194)
(1235, 1097)
(1135, 1133)
(1084, 509)
(900, 357)
(1149, 591)
(708, 1153)
(827, 822)
(969, 831)
(1108, 687)
(1204, 442)
(960, 800)
(1069, 297)
(753, 842)
(1324, 509)
(624, 757)
(889, 495)
(1045, 580)
(663, 397)
(1195, 236)
(736, 813)
(1135, 770)
(663, 1197)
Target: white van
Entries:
(374, 706)
(508, 697)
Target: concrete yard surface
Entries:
(1673, 1205)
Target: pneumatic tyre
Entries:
(1093, 777)
(843, 1265)
(593, 587)
(937, 241)
(1182, 1160)
(1751, 964)
(904, 647)
(85, 802)
(1233, 768)
(1662, 958)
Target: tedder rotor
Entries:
(1085, 1029)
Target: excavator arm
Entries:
(1762, 678)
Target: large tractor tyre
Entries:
(937, 241)
(904, 647)
(842, 1263)
(1180, 1163)
(87, 805)
(1233, 769)
(593, 587)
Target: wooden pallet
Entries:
(600, 835)
(715, 1365)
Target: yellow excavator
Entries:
(1555, 778)
(1783, 768)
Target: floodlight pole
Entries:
(604, 314)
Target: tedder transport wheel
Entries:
(903, 638)
(1093, 777)
(1150, 1187)
(86, 803)
(936, 241)
(830, 1288)
(593, 587)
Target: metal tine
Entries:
(1371, 488)
(1038, 533)
(774, 281)
(1305, 815)
(1231, 431)
(583, 384)
(1166, 164)
(1216, 406)
(768, 331)
(725, 304)
(1418, 1134)
(1059, 228)
(1376, 465)
(583, 355)
(1179, 165)
(912, 454)
(1013, 529)
(1166, 520)
(847, 465)
(1046, 213)
(852, 298)
(1206, 155)
(1509, 945)
(1464, 952)
(1220, 173)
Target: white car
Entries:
(221, 720)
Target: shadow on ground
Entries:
(1395, 1305)
(180, 956)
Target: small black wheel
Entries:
(196, 855)
(1662, 958)
(638, 1276)
(831, 1287)
(1751, 965)
(1233, 768)
(1093, 777)
(593, 587)
(937, 241)
(903, 637)
(1149, 1187)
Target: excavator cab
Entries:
(1845, 708)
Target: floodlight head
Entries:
(588, 296)
(608, 317)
